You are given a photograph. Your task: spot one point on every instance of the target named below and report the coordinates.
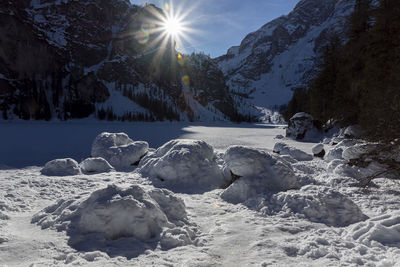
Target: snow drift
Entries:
(318, 204)
(114, 213)
(118, 149)
(61, 167)
(95, 165)
(258, 172)
(183, 165)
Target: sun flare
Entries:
(173, 26)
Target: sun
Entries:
(173, 26)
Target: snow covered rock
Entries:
(284, 149)
(61, 167)
(95, 165)
(302, 125)
(279, 136)
(318, 204)
(183, 165)
(354, 152)
(118, 149)
(259, 172)
(114, 212)
(353, 131)
(318, 151)
(334, 153)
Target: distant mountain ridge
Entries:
(283, 54)
(64, 59)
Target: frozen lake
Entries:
(34, 143)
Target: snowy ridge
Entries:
(281, 56)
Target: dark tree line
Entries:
(358, 82)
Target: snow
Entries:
(115, 213)
(95, 165)
(118, 149)
(318, 204)
(326, 220)
(183, 165)
(61, 167)
(284, 149)
(258, 172)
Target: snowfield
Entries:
(202, 195)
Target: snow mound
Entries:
(95, 165)
(297, 154)
(384, 229)
(61, 167)
(258, 172)
(118, 149)
(302, 126)
(183, 165)
(318, 204)
(114, 213)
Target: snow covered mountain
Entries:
(282, 55)
(74, 59)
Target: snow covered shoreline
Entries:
(324, 219)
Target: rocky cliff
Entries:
(63, 59)
(283, 54)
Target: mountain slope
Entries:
(282, 55)
(101, 58)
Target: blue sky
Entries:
(220, 24)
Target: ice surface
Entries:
(95, 165)
(61, 167)
(259, 172)
(116, 213)
(183, 165)
(118, 149)
(297, 154)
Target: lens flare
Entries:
(186, 80)
(172, 26)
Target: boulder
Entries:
(113, 213)
(353, 131)
(302, 125)
(256, 172)
(183, 165)
(61, 167)
(318, 151)
(284, 149)
(118, 149)
(95, 165)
